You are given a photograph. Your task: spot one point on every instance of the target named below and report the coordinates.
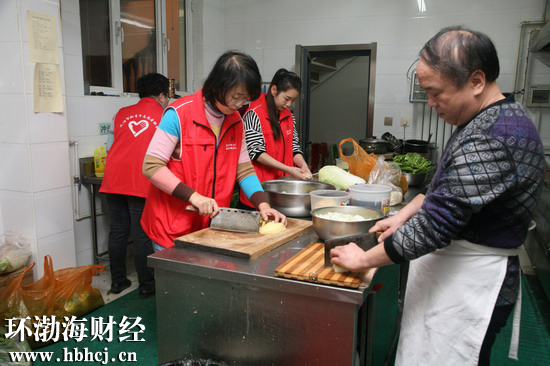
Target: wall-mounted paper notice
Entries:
(42, 37)
(47, 89)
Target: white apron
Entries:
(449, 299)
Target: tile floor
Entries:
(103, 281)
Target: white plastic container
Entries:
(375, 196)
(327, 197)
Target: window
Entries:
(123, 40)
(96, 45)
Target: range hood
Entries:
(540, 45)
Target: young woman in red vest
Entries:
(126, 187)
(199, 152)
(271, 136)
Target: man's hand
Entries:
(388, 226)
(349, 256)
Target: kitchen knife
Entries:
(232, 219)
(364, 241)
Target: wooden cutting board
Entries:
(309, 265)
(242, 245)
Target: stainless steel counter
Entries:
(237, 311)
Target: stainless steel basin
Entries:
(291, 197)
(331, 229)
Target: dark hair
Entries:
(457, 52)
(283, 80)
(232, 69)
(152, 85)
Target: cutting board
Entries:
(309, 265)
(242, 245)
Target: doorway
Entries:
(337, 99)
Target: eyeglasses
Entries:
(239, 101)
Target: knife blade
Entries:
(232, 219)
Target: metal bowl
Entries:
(291, 197)
(415, 180)
(327, 229)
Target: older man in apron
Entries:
(462, 236)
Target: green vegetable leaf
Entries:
(413, 163)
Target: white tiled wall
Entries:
(11, 72)
(13, 128)
(35, 183)
(269, 31)
(60, 247)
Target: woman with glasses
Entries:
(271, 136)
(198, 153)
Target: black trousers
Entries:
(498, 321)
(125, 219)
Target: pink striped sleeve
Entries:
(243, 156)
(165, 180)
(162, 145)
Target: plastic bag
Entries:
(360, 163)
(12, 304)
(8, 345)
(390, 175)
(14, 251)
(73, 291)
(193, 362)
(65, 292)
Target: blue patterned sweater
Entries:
(484, 190)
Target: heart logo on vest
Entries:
(138, 127)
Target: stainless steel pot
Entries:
(375, 146)
(291, 197)
(416, 146)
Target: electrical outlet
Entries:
(405, 122)
(388, 121)
(104, 128)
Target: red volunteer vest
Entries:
(134, 128)
(280, 149)
(209, 169)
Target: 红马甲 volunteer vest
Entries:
(208, 167)
(280, 149)
(134, 128)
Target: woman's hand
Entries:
(388, 226)
(349, 256)
(266, 212)
(306, 172)
(205, 205)
(298, 173)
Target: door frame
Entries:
(304, 54)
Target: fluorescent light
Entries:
(421, 6)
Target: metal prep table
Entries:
(236, 311)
